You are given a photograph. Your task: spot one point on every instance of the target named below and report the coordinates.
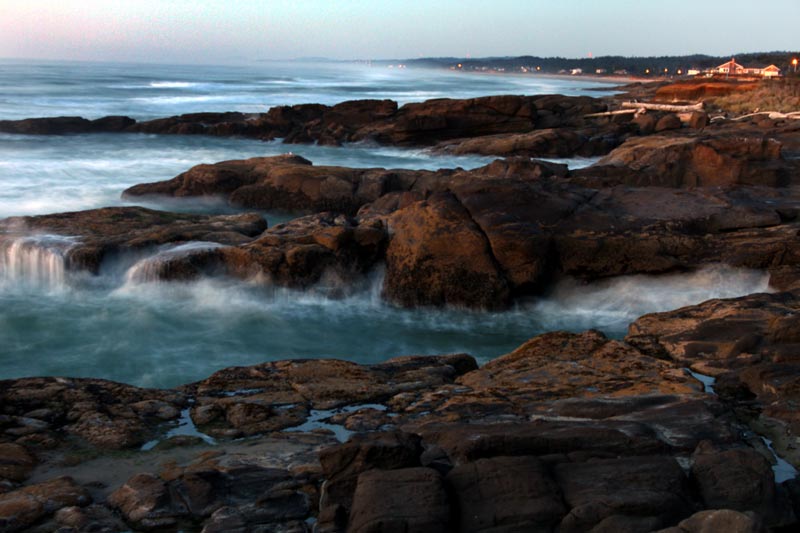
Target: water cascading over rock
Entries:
(38, 259)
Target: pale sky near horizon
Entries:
(222, 31)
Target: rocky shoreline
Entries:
(687, 424)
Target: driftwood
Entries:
(632, 108)
(664, 107)
(613, 113)
(774, 115)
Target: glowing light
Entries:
(647, 71)
(459, 65)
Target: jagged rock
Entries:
(277, 395)
(96, 410)
(409, 499)
(568, 365)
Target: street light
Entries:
(794, 64)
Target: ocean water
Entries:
(122, 326)
(92, 90)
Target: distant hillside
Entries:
(608, 64)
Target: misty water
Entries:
(123, 326)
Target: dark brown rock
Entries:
(639, 487)
(109, 231)
(685, 161)
(718, 520)
(145, 501)
(24, 507)
(409, 499)
(342, 465)
(515, 493)
(99, 412)
(668, 122)
(16, 462)
(740, 479)
(451, 264)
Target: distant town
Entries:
(742, 66)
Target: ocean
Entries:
(114, 326)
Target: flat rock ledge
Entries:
(569, 432)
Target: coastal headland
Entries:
(689, 423)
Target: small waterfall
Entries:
(151, 268)
(35, 259)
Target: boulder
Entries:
(668, 122)
(718, 520)
(16, 462)
(703, 160)
(439, 255)
(343, 464)
(408, 499)
(21, 508)
(652, 487)
(740, 479)
(513, 493)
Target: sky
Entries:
(228, 31)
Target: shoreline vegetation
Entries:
(687, 423)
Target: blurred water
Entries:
(92, 90)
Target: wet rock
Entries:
(705, 160)
(565, 365)
(740, 479)
(16, 462)
(515, 493)
(343, 464)
(718, 520)
(94, 518)
(285, 182)
(464, 442)
(24, 507)
(110, 231)
(748, 343)
(408, 499)
(278, 395)
(451, 265)
(145, 501)
(549, 142)
(638, 486)
(96, 410)
(326, 249)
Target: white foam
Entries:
(37, 259)
(148, 270)
(171, 84)
(613, 303)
